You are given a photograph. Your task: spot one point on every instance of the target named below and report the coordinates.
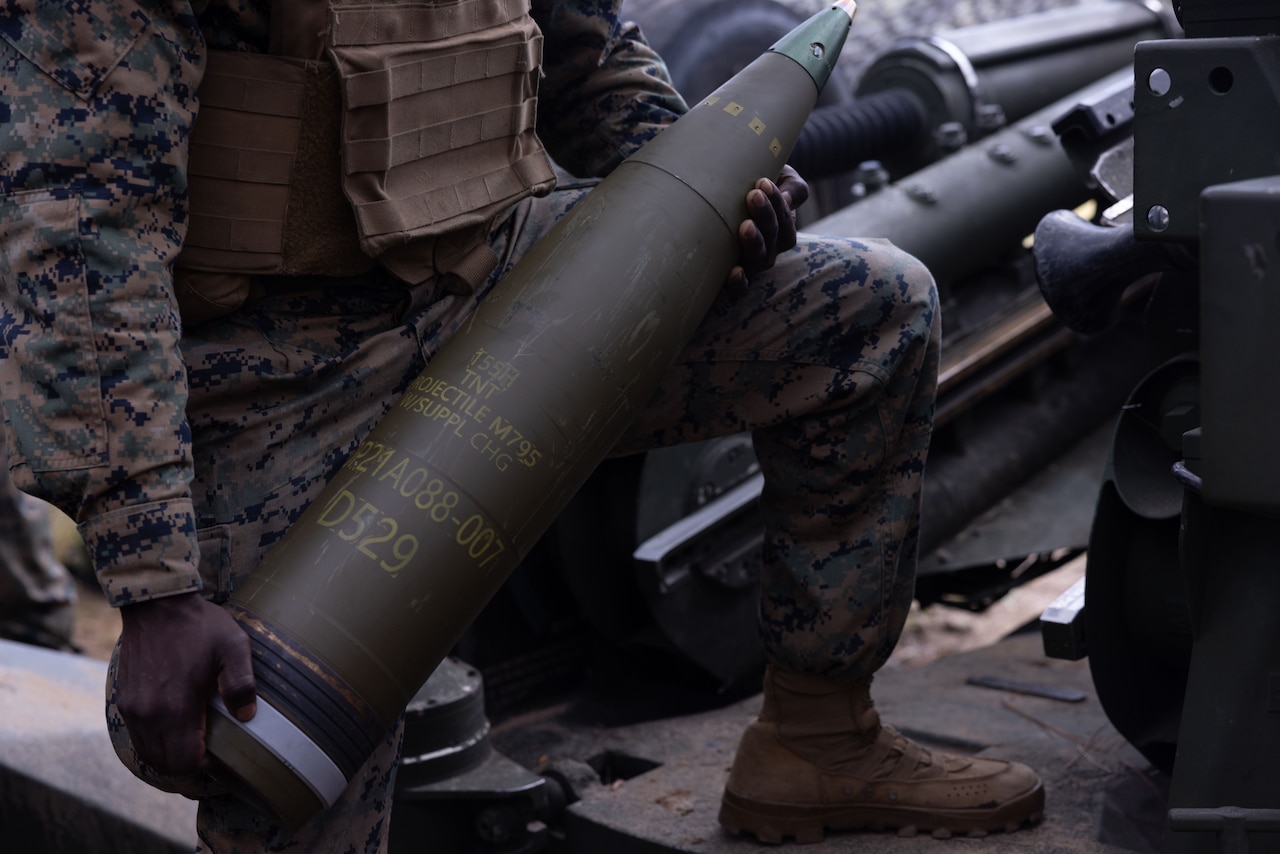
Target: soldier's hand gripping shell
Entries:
(771, 227)
(175, 653)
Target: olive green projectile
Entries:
(372, 587)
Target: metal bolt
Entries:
(950, 136)
(922, 194)
(1002, 153)
(1159, 82)
(1158, 218)
(868, 177)
(989, 116)
(1040, 134)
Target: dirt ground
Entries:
(931, 633)
(939, 630)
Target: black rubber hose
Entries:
(838, 137)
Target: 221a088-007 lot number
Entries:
(375, 531)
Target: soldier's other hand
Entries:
(771, 226)
(175, 652)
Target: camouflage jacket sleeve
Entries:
(97, 106)
(605, 91)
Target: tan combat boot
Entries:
(817, 759)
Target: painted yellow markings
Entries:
(733, 108)
(396, 504)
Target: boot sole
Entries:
(773, 822)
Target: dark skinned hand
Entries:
(771, 227)
(175, 654)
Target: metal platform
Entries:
(1102, 796)
(62, 789)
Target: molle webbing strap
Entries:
(230, 84)
(440, 107)
(472, 193)
(357, 23)
(263, 163)
(248, 221)
(383, 154)
(439, 72)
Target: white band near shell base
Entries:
(291, 746)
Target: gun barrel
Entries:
(958, 213)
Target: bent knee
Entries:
(888, 302)
(906, 285)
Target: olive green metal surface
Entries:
(405, 546)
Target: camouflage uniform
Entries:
(185, 454)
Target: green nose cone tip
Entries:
(815, 45)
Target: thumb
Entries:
(236, 684)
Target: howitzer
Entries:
(927, 95)
(1181, 583)
(374, 585)
(966, 84)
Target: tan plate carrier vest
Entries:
(387, 133)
